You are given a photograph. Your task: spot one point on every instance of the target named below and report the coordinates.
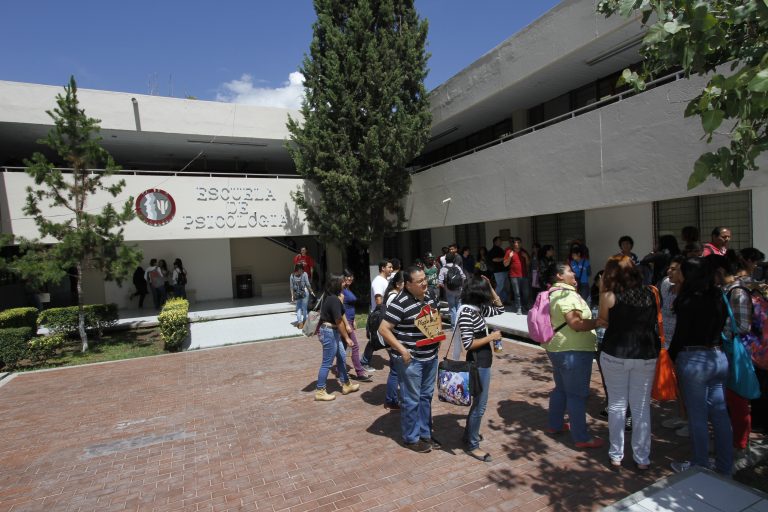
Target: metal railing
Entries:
(134, 172)
(673, 77)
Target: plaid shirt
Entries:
(741, 304)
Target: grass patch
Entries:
(113, 346)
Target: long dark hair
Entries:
(334, 285)
(621, 274)
(396, 279)
(476, 292)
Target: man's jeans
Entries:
(515, 287)
(301, 309)
(476, 411)
(572, 370)
(702, 375)
(501, 278)
(332, 347)
(392, 396)
(629, 380)
(417, 385)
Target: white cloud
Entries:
(244, 91)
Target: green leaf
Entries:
(760, 82)
(656, 34)
(701, 170)
(711, 120)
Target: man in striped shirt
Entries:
(412, 328)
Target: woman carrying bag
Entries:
(479, 301)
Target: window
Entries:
(559, 229)
(471, 235)
(732, 210)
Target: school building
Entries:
(534, 139)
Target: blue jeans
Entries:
(301, 309)
(454, 301)
(393, 383)
(332, 347)
(515, 286)
(476, 411)
(417, 385)
(702, 376)
(500, 278)
(572, 370)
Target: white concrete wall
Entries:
(760, 218)
(604, 227)
(638, 150)
(27, 103)
(267, 262)
(205, 207)
(207, 263)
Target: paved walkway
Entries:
(235, 428)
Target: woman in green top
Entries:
(571, 352)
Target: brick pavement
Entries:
(236, 428)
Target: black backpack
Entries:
(182, 278)
(372, 327)
(453, 278)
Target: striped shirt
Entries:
(401, 313)
(471, 322)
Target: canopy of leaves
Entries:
(703, 38)
(84, 237)
(366, 116)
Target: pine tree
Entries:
(366, 116)
(84, 237)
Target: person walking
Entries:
(298, 284)
(349, 299)
(140, 282)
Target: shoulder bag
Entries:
(741, 372)
(457, 381)
(312, 324)
(664, 381)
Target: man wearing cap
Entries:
(431, 271)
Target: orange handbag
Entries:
(664, 381)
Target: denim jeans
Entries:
(355, 351)
(454, 303)
(157, 296)
(525, 292)
(629, 381)
(332, 347)
(393, 384)
(515, 286)
(301, 309)
(702, 376)
(501, 278)
(180, 290)
(572, 370)
(417, 385)
(476, 411)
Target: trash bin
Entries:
(244, 283)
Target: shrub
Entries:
(64, 320)
(174, 324)
(13, 345)
(19, 317)
(42, 348)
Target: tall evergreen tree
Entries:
(366, 116)
(84, 237)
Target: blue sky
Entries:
(241, 51)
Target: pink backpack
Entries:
(539, 320)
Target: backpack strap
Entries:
(557, 329)
(659, 318)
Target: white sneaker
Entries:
(682, 432)
(368, 369)
(679, 467)
(674, 423)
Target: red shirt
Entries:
(515, 263)
(308, 262)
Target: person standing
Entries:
(140, 282)
(579, 262)
(378, 287)
(628, 356)
(179, 279)
(701, 365)
(154, 278)
(721, 237)
(306, 260)
(298, 283)
(625, 245)
(479, 301)
(412, 328)
(431, 271)
(496, 262)
(514, 261)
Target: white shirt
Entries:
(378, 287)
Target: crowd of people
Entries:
(160, 282)
(671, 298)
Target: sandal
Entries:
(483, 457)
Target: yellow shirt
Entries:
(562, 302)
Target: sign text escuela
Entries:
(235, 209)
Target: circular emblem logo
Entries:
(155, 207)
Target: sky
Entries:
(245, 51)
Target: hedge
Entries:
(174, 324)
(14, 345)
(19, 317)
(42, 348)
(65, 320)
